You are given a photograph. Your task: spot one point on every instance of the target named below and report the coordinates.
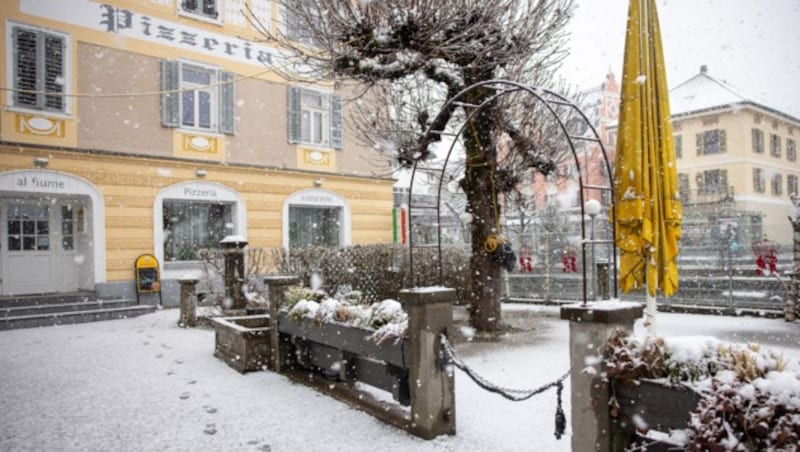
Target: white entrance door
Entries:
(38, 244)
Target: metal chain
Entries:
(516, 395)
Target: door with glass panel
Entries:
(27, 247)
(39, 240)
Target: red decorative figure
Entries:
(525, 262)
(766, 252)
(569, 260)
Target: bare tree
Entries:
(409, 57)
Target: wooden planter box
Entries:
(345, 353)
(243, 342)
(662, 407)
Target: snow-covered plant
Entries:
(390, 332)
(735, 415)
(303, 308)
(750, 399)
(296, 293)
(354, 296)
(686, 359)
(387, 317)
(385, 312)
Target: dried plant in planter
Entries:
(750, 399)
(734, 415)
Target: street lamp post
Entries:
(592, 208)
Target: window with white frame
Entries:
(315, 118)
(197, 97)
(192, 225)
(38, 67)
(791, 150)
(315, 226)
(315, 217)
(207, 8)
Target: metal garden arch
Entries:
(554, 103)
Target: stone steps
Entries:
(40, 309)
(65, 308)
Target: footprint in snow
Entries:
(177, 361)
(171, 372)
(210, 429)
(191, 382)
(145, 343)
(209, 409)
(184, 396)
(160, 355)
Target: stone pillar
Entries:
(233, 250)
(277, 288)
(430, 314)
(590, 327)
(188, 303)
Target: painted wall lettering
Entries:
(192, 192)
(39, 182)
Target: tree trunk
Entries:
(790, 311)
(481, 194)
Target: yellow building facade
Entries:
(161, 126)
(737, 161)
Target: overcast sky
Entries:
(753, 45)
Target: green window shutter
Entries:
(336, 122)
(723, 147)
(295, 114)
(227, 103)
(723, 181)
(26, 73)
(170, 97)
(699, 141)
(53, 72)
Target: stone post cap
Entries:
(233, 241)
(611, 311)
(281, 280)
(427, 295)
(188, 280)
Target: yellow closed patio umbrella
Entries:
(648, 209)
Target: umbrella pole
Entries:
(650, 312)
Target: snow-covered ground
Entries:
(145, 384)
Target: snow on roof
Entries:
(704, 92)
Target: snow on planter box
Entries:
(376, 357)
